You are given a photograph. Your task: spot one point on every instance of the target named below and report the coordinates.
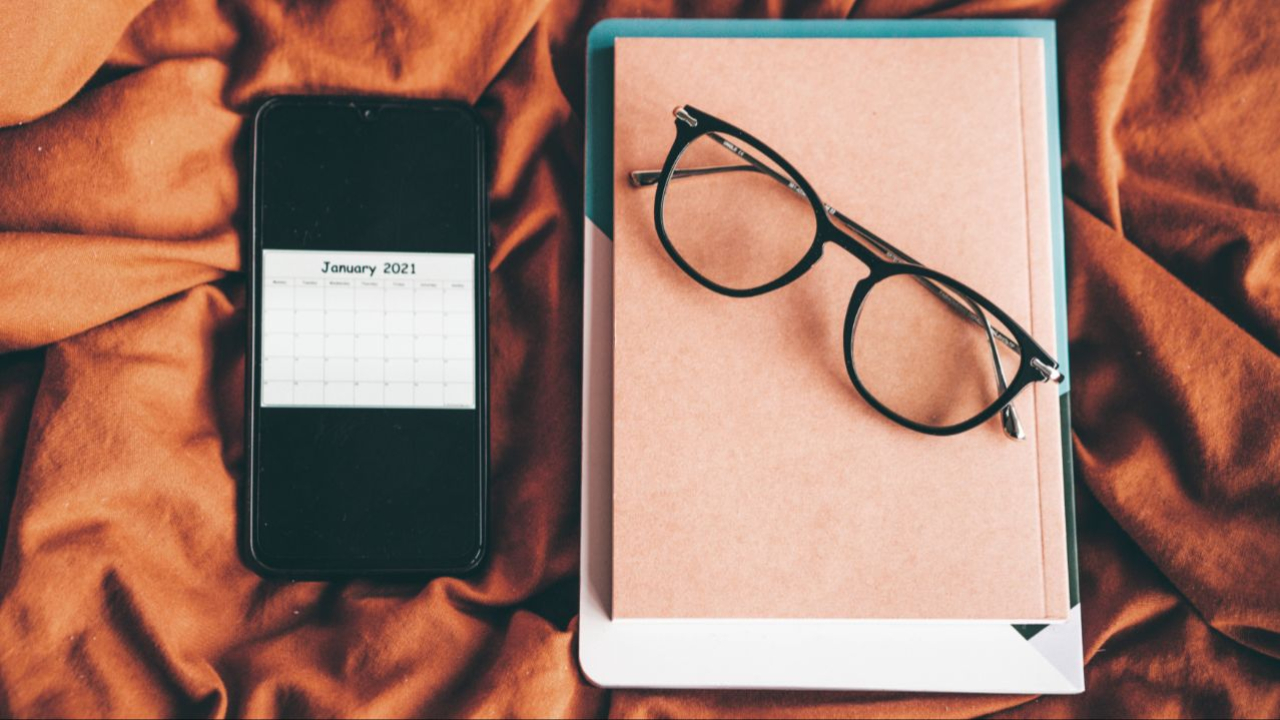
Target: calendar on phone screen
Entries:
(368, 329)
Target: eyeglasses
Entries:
(922, 348)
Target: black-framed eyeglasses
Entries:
(921, 347)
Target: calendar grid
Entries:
(368, 340)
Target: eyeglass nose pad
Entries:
(1012, 425)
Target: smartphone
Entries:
(366, 375)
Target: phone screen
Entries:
(367, 439)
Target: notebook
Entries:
(750, 478)
(756, 499)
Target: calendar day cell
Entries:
(308, 321)
(277, 392)
(369, 393)
(336, 369)
(399, 346)
(370, 346)
(277, 345)
(459, 395)
(456, 371)
(370, 370)
(398, 370)
(277, 321)
(428, 323)
(428, 298)
(428, 370)
(457, 299)
(339, 393)
(428, 346)
(308, 297)
(428, 394)
(399, 395)
(339, 321)
(399, 298)
(459, 347)
(370, 321)
(369, 297)
(308, 393)
(339, 346)
(277, 296)
(310, 345)
(399, 323)
(339, 297)
(308, 369)
(457, 324)
(277, 368)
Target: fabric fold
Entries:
(124, 174)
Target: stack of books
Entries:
(748, 519)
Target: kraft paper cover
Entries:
(750, 479)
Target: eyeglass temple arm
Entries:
(642, 178)
(1008, 414)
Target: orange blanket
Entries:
(122, 183)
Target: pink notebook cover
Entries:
(750, 479)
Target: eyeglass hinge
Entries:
(1048, 374)
(683, 116)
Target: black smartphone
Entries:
(366, 376)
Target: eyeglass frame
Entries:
(1035, 364)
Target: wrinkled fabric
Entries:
(123, 183)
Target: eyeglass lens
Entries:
(921, 347)
(737, 223)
